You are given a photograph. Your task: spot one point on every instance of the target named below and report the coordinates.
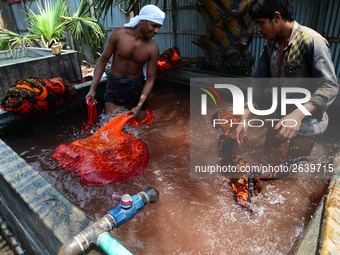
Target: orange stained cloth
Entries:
(107, 156)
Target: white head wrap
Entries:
(149, 12)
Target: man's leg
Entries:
(300, 148)
(271, 141)
(141, 115)
(110, 107)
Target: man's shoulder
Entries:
(308, 32)
(151, 46)
(120, 30)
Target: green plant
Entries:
(103, 6)
(19, 41)
(4, 44)
(83, 27)
(49, 24)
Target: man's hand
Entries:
(241, 132)
(134, 111)
(91, 97)
(291, 125)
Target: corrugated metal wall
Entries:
(332, 32)
(189, 24)
(322, 16)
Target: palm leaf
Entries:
(49, 24)
(83, 27)
(104, 6)
(20, 41)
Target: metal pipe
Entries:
(116, 217)
(81, 242)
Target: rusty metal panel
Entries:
(190, 20)
(73, 5)
(304, 12)
(167, 23)
(164, 41)
(255, 48)
(20, 18)
(335, 53)
(187, 48)
(115, 18)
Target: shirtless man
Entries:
(132, 48)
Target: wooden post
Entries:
(173, 17)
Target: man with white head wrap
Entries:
(131, 48)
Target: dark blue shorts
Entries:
(124, 91)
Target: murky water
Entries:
(193, 216)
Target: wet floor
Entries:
(193, 216)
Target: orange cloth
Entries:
(107, 156)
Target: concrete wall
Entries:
(42, 64)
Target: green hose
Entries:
(111, 246)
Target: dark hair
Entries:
(264, 9)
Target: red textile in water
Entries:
(92, 116)
(107, 156)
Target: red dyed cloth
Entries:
(107, 156)
(92, 116)
(32, 96)
(169, 59)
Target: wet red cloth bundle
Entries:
(31, 96)
(107, 156)
(169, 59)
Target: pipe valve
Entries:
(125, 200)
(98, 232)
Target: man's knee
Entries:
(110, 107)
(141, 115)
(300, 148)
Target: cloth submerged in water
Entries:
(248, 185)
(31, 96)
(107, 156)
(243, 187)
(124, 91)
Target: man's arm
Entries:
(101, 64)
(150, 80)
(318, 55)
(289, 131)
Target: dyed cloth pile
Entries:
(107, 156)
(169, 59)
(31, 96)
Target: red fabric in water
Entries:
(92, 116)
(107, 156)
